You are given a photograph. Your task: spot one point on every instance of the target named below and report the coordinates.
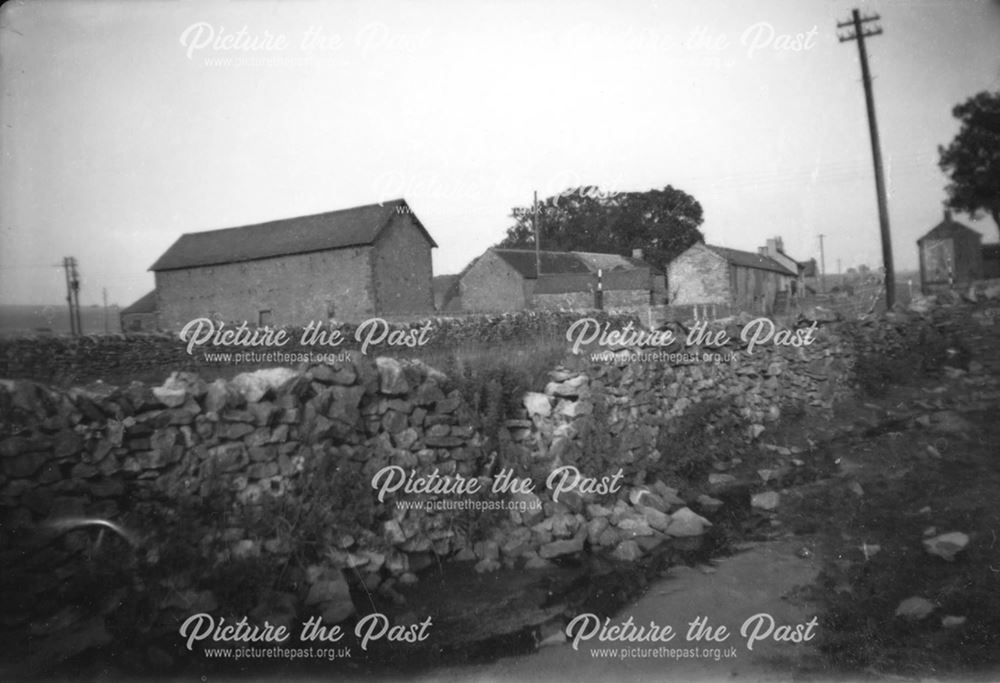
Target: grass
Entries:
(18, 319)
(914, 481)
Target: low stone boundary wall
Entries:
(330, 472)
(67, 361)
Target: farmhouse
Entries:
(509, 280)
(755, 282)
(140, 316)
(349, 265)
(950, 253)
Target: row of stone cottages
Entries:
(373, 260)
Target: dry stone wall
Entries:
(67, 361)
(283, 445)
(620, 415)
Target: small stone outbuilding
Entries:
(950, 254)
(141, 316)
(509, 280)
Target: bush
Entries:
(706, 433)
(493, 381)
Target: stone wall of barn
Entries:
(402, 269)
(285, 290)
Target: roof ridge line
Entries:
(305, 215)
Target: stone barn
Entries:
(753, 282)
(346, 265)
(508, 280)
(140, 316)
(950, 254)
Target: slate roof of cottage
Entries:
(145, 304)
(441, 285)
(566, 262)
(949, 228)
(595, 261)
(553, 262)
(443, 282)
(748, 259)
(358, 226)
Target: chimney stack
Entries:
(947, 216)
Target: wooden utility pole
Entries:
(822, 265)
(859, 34)
(69, 295)
(75, 281)
(534, 227)
(104, 294)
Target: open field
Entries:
(20, 320)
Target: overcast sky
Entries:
(125, 124)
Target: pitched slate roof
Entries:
(948, 228)
(748, 259)
(567, 262)
(553, 262)
(809, 268)
(145, 304)
(353, 227)
(442, 286)
(595, 261)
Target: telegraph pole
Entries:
(76, 294)
(104, 294)
(534, 227)
(859, 34)
(69, 294)
(822, 265)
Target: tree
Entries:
(663, 223)
(972, 160)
